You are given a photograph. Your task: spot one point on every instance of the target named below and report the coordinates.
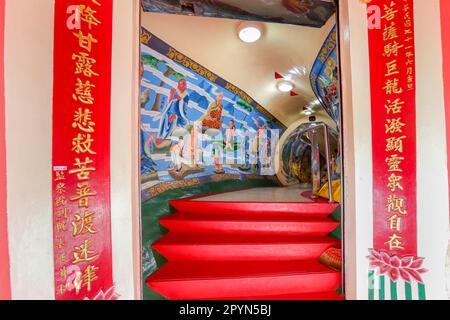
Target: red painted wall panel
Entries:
(445, 21)
(5, 287)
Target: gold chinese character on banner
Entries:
(395, 242)
(390, 32)
(84, 64)
(83, 170)
(391, 68)
(83, 92)
(82, 143)
(395, 144)
(394, 162)
(89, 275)
(59, 176)
(395, 223)
(82, 120)
(392, 87)
(88, 15)
(394, 125)
(389, 12)
(394, 182)
(392, 48)
(61, 214)
(82, 253)
(395, 204)
(60, 188)
(83, 223)
(83, 194)
(85, 41)
(394, 106)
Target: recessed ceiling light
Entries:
(308, 112)
(285, 86)
(250, 32)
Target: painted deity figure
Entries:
(213, 116)
(174, 115)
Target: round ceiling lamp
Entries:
(250, 32)
(285, 86)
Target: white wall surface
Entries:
(29, 83)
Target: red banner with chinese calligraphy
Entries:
(81, 149)
(392, 76)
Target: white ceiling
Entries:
(214, 44)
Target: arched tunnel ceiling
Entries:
(214, 44)
(313, 13)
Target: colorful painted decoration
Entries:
(314, 13)
(324, 77)
(395, 268)
(81, 149)
(197, 126)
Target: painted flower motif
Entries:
(408, 268)
(110, 294)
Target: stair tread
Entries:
(207, 270)
(329, 295)
(247, 217)
(238, 239)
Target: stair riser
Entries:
(242, 287)
(250, 227)
(244, 252)
(237, 208)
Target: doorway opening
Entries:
(240, 150)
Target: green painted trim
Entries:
(408, 291)
(336, 233)
(382, 289)
(421, 288)
(394, 290)
(371, 285)
(336, 214)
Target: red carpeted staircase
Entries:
(246, 250)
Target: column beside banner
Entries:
(81, 150)
(395, 268)
(5, 285)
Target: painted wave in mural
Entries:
(196, 125)
(324, 77)
(313, 13)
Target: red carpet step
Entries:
(317, 210)
(249, 224)
(246, 250)
(219, 280)
(223, 247)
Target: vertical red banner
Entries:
(81, 149)
(393, 98)
(5, 286)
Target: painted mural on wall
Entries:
(324, 77)
(196, 126)
(312, 13)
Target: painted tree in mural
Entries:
(155, 64)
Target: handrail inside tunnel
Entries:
(314, 137)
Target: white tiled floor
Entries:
(274, 194)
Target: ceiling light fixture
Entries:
(285, 86)
(250, 32)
